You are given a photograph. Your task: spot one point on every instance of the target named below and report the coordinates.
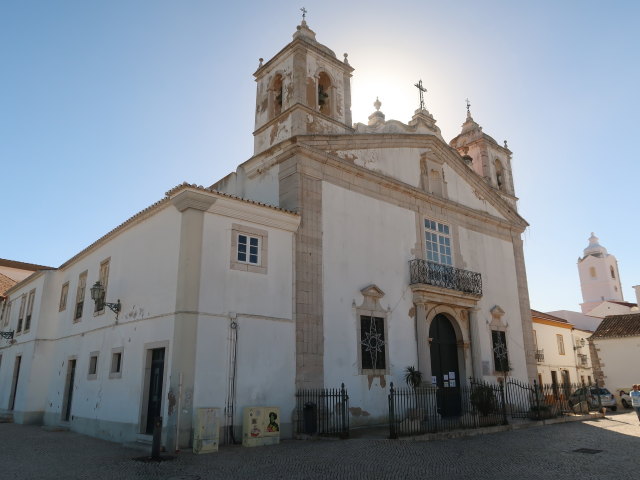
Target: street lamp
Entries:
(97, 295)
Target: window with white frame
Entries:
(64, 293)
(82, 284)
(438, 242)
(560, 341)
(104, 280)
(23, 302)
(116, 363)
(92, 372)
(27, 321)
(248, 249)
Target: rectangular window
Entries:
(535, 340)
(23, 302)
(64, 293)
(27, 322)
(372, 343)
(82, 284)
(116, 363)
(104, 280)
(438, 242)
(560, 344)
(500, 352)
(6, 312)
(248, 249)
(92, 373)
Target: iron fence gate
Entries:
(322, 411)
(481, 404)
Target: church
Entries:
(338, 253)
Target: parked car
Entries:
(625, 399)
(591, 394)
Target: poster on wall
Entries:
(261, 426)
(434, 380)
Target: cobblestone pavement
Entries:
(29, 452)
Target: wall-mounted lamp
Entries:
(97, 295)
(7, 335)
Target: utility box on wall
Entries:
(261, 426)
(206, 430)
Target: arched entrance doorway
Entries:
(444, 365)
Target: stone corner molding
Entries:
(191, 199)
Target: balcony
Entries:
(444, 276)
(540, 355)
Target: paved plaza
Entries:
(612, 450)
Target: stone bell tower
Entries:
(486, 157)
(303, 90)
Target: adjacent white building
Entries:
(337, 253)
(562, 351)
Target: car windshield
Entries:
(600, 391)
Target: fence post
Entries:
(504, 404)
(345, 410)
(537, 395)
(392, 413)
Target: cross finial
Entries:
(468, 105)
(422, 90)
(304, 13)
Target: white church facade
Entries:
(338, 253)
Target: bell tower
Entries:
(303, 90)
(599, 277)
(486, 157)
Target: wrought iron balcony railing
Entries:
(445, 276)
(540, 355)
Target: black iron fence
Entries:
(323, 411)
(445, 276)
(481, 404)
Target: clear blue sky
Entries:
(105, 105)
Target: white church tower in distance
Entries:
(599, 277)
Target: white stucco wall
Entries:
(365, 241)
(618, 362)
(494, 259)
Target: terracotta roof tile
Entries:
(546, 316)
(614, 326)
(625, 304)
(5, 284)
(22, 265)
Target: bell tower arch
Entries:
(303, 90)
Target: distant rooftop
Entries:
(616, 326)
(22, 265)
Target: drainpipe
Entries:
(178, 410)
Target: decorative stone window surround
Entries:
(497, 324)
(371, 307)
(263, 236)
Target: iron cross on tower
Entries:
(304, 13)
(422, 90)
